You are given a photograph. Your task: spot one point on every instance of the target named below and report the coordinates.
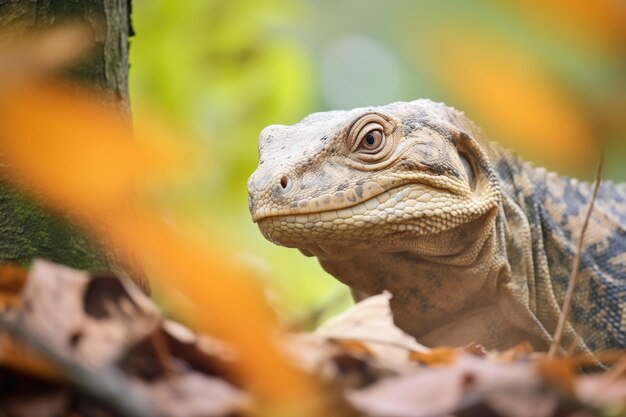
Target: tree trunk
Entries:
(26, 230)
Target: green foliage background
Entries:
(222, 70)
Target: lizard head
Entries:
(353, 178)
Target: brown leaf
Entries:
(518, 351)
(92, 320)
(523, 402)
(561, 372)
(418, 394)
(194, 394)
(439, 356)
(354, 347)
(173, 350)
(370, 322)
(14, 355)
(604, 390)
(440, 391)
(12, 280)
(332, 362)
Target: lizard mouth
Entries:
(402, 200)
(325, 202)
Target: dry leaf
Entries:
(523, 403)
(468, 382)
(15, 356)
(333, 362)
(439, 356)
(12, 280)
(559, 371)
(604, 390)
(425, 393)
(516, 352)
(354, 347)
(194, 394)
(97, 319)
(370, 322)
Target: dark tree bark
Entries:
(26, 230)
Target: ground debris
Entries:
(103, 348)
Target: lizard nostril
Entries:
(285, 182)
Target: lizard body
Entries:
(473, 243)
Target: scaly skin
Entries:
(474, 244)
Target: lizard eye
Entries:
(371, 138)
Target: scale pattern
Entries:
(473, 243)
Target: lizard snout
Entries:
(266, 190)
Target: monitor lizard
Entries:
(474, 244)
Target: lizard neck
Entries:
(434, 279)
(544, 216)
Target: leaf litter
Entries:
(363, 363)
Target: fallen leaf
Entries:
(522, 403)
(194, 394)
(91, 320)
(561, 372)
(426, 393)
(370, 322)
(16, 356)
(516, 352)
(439, 356)
(12, 280)
(334, 362)
(354, 347)
(604, 390)
(468, 382)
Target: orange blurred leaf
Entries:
(603, 21)
(512, 98)
(72, 151)
(80, 158)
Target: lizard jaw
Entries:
(413, 208)
(362, 197)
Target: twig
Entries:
(105, 385)
(573, 278)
